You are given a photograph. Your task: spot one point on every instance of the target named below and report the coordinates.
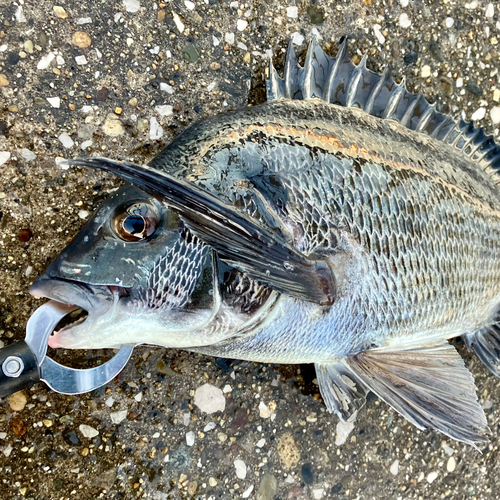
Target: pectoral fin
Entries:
(428, 384)
(261, 253)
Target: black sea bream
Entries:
(345, 222)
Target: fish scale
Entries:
(350, 224)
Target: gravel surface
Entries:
(122, 79)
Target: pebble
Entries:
(17, 401)
(81, 39)
(478, 114)
(60, 12)
(297, 38)
(19, 15)
(241, 24)
(28, 155)
(3, 435)
(109, 402)
(432, 476)
(343, 430)
(118, 417)
(81, 60)
(404, 20)
(226, 389)
(222, 437)
(215, 66)
(66, 140)
(84, 20)
(495, 114)
(132, 6)
(229, 38)
(55, 102)
(165, 110)
(449, 22)
(208, 398)
(165, 87)
(178, 22)
(4, 82)
(378, 34)
(307, 473)
(45, 61)
(88, 431)
(394, 468)
(86, 144)
(292, 12)
(451, 464)
(83, 214)
(245, 494)
(155, 129)
(4, 157)
(189, 5)
(7, 450)
(264, 410)
(288, 451)
(210, 426)
(268, 487)
(261, 443)
(112, 126)
(241, 469)
(28, 46)
(190, 438)
(318, 494)
(425, 71)
(212, 482)
(404, 3)
(133, 102)
(490, 10)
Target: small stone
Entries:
(118, 111)
(241, 469)
(161, 15)
(18, 426)
(449, 22)
(432, 476)
(425, 71)
(190, 438)
(113, 127)
(19, 15)
(307, 473)
(212, 482)
(60, 12)
(495, 114)
(81, 60)
(178, 22)
(261, 443)
(86, 144)
(3, 80)
(4, 157)
(247, 492)
(133, 102)
(264, 410)
(165, 87)
(210, 426)
(118, 416)
(55, 102)
(288, 451)
(490, 10)
(451, 464)
(81, 39)
(241, 24)
(66, 140)
(475, 89)
(17, 401)
(343, 431)
(318, 494)
(155, 129)
(247, 58)
(25, 235)
(165, 110)
(132, 6)
(268, 487)
(222, 437)
(209, 399)
(292, 12)
(479, 114)
(229, 38)
(215, 66)
(84, 20)
(394, 468)
(7, 450)
(189, 5)
(88, 431)
(83, 214)
(297, 38)
(404, 20)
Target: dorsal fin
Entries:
(339, 81)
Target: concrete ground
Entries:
(122, 79)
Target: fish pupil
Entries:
(134, 224)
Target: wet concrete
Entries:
(147, 437)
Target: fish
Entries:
(344, 222)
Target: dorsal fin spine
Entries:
(339, 81)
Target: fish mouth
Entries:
(93, 301)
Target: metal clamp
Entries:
(61, 378)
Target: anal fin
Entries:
(428, 384)
(343, 393)
(486, 345)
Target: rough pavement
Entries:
(122, 79)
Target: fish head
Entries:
(137, 272)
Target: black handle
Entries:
(18, 361)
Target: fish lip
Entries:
(95, 299)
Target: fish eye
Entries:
(136, 222)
